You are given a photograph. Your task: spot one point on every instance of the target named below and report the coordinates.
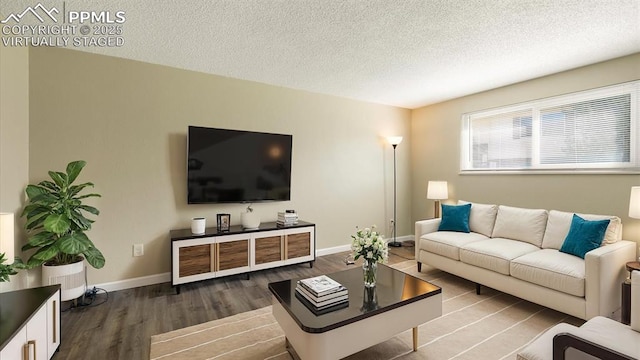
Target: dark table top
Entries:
(393, 289)
(185, 234)
(17, 308)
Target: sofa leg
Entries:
(419, 266)
(478, 287)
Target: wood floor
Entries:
(121, 327)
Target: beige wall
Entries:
(128, 120)
(14, 143)
(435, 134)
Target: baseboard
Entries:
(166, 277)
(333, 250)
(403, 238)
(134, 283)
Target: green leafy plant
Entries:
(56, 222)
(5, 269)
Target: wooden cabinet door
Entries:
(232, 254)
(195, 260)
(299, 245)
(268, 249)
(192, 260)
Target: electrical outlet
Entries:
(138, 249)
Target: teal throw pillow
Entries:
(584, 236)
(455, 218)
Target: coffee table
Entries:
(398, 302)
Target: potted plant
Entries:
(56, 226)
(5, 269)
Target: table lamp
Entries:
(437, 190)
(6, 237)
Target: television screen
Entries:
(232, 166)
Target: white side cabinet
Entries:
(30, 323)
(214, 254)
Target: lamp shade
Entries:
(6, 236)
(394, 140)
(634, 202)
(437, 190)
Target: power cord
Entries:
(89, 299)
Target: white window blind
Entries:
(594, 130)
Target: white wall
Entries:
(14, 145)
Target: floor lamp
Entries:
(394, 141)
(437, 190)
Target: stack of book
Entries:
(322, 294)
(287, 218)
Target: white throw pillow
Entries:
(521, 224)
(560, 221)
(482, 217)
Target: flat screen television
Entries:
(233, 166)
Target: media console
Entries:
(215, 254)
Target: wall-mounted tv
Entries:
(233, 166)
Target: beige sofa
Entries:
(601, 337)
(516, 251)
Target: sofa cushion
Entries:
(482, 217)
(495, 254)
(448, 243)
(584, 236)
(559, 223)
(542, 347)
(521, 224)
(552, 269)
(611, 334)
(600, 330)
(455, 218)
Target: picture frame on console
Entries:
(223, 222)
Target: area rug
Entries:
(492, 326)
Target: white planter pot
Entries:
(198, 226)
(70, 277)
(250, 220)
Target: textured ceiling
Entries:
(396, 52)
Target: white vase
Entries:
(198, 226)
(250, 220)
(70, 277)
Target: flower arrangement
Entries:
(370, 245)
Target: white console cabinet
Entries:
(30, 323)
(215, 254)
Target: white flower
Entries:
(369, 244)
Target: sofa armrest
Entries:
(604, 272)
(424, 227)
(563, 341)
(635, 300)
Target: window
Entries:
(595, 130)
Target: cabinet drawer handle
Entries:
(26, 350)
(55, 314)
